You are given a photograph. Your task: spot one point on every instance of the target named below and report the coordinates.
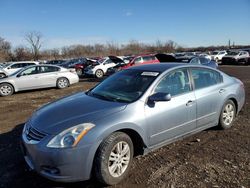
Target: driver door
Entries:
(169, 119)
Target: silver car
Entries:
(97, 133)
(37, 76)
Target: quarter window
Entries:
(205, 78)
(175, 83)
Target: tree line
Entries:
(33, 51)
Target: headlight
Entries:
(70, 137)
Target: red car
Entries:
(140, 60)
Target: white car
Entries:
(37, 76)
(11, 67)
(100, 67)
(218, 55)
(205, 56)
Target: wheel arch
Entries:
(62, 77)
(15, 90)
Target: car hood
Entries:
(79, 108)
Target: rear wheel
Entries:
(227, 115)
(62, 83)
(6, 89)
(99, 73)
(114, 158)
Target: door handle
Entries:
(189, 103)
(222, 90)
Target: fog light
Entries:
(50, 170)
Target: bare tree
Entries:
(35, 42)
(5, 50)
(21, 54)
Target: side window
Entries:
(15, 66)
(205, 78)
(138, 60)
(147, 58)
(175, 83)
(204, 61)
(46, 69)
(29, 71)
(108, 61)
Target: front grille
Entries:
(34, 134)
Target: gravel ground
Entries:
(212, 158)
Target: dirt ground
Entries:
(212, 158)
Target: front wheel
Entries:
(113, 158)
(6, 89)
(227, 115)
(62, 83)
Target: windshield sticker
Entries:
(149, 73)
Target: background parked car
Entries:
(164, 58)
(135, 61)
(11, 67)
(79, 67)
(218, 55)
(55, 62)
(235, 57)
(100, 67)
(37, 76)
(70, 64)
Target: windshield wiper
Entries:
(105, 97)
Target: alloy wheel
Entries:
(119, 159)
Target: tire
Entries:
(99, 73)
(2, 75)
(111, 166)
(6, 89)
(79, 72)
(62, 83)
(227, 115)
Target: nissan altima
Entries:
(37, 76)
(97, 133)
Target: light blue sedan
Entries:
(98, 132)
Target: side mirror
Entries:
(19, 75)
(160, 97)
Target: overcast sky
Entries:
(190, 23)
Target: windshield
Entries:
(101, 60)
(126, 86)
(233, 53)
(5, 65)
(215, 53)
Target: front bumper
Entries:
(61, 165)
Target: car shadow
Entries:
(14, 171)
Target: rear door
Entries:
(209, 94)
(47, 76)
